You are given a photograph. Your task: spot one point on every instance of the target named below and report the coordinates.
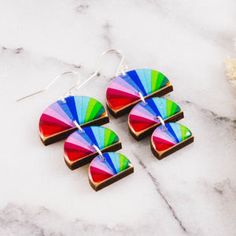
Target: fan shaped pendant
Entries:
(109, 169)
(143, 118)
(123, 91)
(168, 139)
(57, 121)
(79, 146)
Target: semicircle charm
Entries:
(58, 120)
(123, 91)
(169, 138)
(109, 169)
(79, 146)
(143, 118)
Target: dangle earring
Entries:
(75, 117)
(139, 91)
(168, 138)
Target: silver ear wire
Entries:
(47, 86)
(122, 67)
(142, 97)
(99, 152)
(162, 122)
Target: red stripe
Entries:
(140, 123)
(161, 144)
(99, 175)
(75, 152)
(50, 126)
(118, 99)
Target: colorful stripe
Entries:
(80, 143)
(59, 116)
(123, 90)
(165, 138)
(143, 116)
(113, 163)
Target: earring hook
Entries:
(54, 80)
(162, 122)
(121, 68)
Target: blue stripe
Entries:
(133, 74)
(152, 104)
(65, 108)
(71, 104)
(169, 128)
(90, 133)
(85, 137)
(110, 163)
(99, 134)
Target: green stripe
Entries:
(186, 133)
(93, 109)
(123, 162)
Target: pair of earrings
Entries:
(79, 120)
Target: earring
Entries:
(144, 117)
(65, 116)
(169, 138)
(75, 117)
(124, 91)
(79, 147)
(137, 88)
(107, 168)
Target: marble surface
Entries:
(193, 192)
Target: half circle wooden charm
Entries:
(79, 146)
(123, 91)
(58, 120)
(170, 138)
(109, 169)
(143, 118)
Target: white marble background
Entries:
(193, 192)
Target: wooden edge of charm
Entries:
(64, 134)
(117, 113)
(57, 137)
(87, 159)
(163, 154)
(111, 180)
(148, 131)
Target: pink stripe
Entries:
(142, 112)
(165, 135)
(97, 163)
(80, 143)
(120, 84)
(49, 111)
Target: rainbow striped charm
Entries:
(57, 121)
(168, 139)
(143, 118)
(79, 149)
(103, 172)
(123, 91)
